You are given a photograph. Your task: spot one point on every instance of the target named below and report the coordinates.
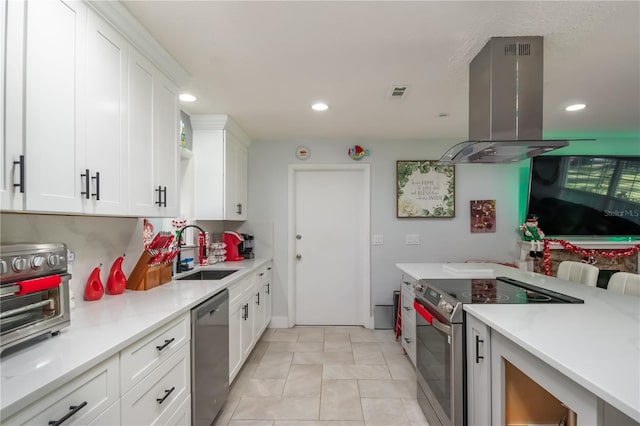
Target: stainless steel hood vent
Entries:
(505, 104)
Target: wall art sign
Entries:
(483, 216)
(425, 189)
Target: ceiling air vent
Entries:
(398, 91)
(517, 49)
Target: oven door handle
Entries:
(430, 319)
(38, 284)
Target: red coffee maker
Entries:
(232, 240)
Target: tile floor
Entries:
(324, 376)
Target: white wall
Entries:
(442, 239)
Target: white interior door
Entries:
(330, 245)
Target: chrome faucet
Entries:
(179, 238)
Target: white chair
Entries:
(578, 272)
(625, 283)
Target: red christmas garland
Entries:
(607, 254)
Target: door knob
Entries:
(298, 256)
(298, 237)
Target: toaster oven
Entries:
(34, 292)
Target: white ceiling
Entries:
(265, 62)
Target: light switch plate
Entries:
(378, 239)
(412, 239)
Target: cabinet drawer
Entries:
(91, 393)
(408, 283)
(409, 338)
(264, 274)
(182, 415)
(239, 291)
(140, 358)
(407, 308)
(160, 393)
(109, 417)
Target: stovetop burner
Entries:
(485, 298)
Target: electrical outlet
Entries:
(71, 256)
(378, 239)
(412, 239)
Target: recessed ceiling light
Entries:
(320, 106)
(575, 107)
(186, 97)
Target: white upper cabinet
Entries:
(106, 119)
(220, 150)
(153, 136)
(54, 79)
(11, 110)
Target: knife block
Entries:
(145, 277)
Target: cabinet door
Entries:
(106, 119)
(259, 311)
(142, 195)
(247, 334)
(267, 297)
(478, 372)
(11, 110)
(235, 340)
(167, 137)
(54, 80)
(235, 186)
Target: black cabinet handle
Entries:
(261, 274)
(407, 339)
(86, 177)
(159, 191)
(245, 316)
(165, 197)
(74, 409)
(269, 268)
(20, 163)
(406, 309)
(258, 302)
(268, 288)
(167, 392)
(97, 179)
(239, 208)
(167, 342)
(478, 357)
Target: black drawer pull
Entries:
(21, 164)
(97, 179)
(167, 342)
(478, 357)
(407, 339)
(406, 309)
(86, 176)
(261, 274)
(258, 302)
(167, 392)
(268, 288)
(74, 409)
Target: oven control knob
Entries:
(448, 308)
(53, 260)
(37, 262)
(419, 288)
(19, 264)
(3, 267)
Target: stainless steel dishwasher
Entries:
(209, 358)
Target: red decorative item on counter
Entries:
(117, 281)
(94, 288)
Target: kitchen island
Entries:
(595, 344)
(100, 330)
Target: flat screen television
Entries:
(594, 196)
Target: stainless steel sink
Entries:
(209, 275)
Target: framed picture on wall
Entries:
(425, 189)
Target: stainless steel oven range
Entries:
(34, 292)
(440, 342)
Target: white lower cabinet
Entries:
(478, 372)
(408, 317)
(249, 315)
(80, 401)
(155, 399)
(109, 417)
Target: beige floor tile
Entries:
(303, 381)
(246, 372)
(355, 371)
(311, 334)
(363, 335)
(367, 353)
(413, 411)
(392, 389)
(339, 345)
(318, 423)
(340, 400)
(384, 412)
(333, 331)
(391, 348)
(258, 352)
(258, 388)
(323, 358)
(401, 368)
(295, 347)
(385, 335)
(277, 409)
(282, 335)
(274, 365)
(251, 423)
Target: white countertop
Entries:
(596, 344)
(99, 330)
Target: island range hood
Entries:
(505, 104)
